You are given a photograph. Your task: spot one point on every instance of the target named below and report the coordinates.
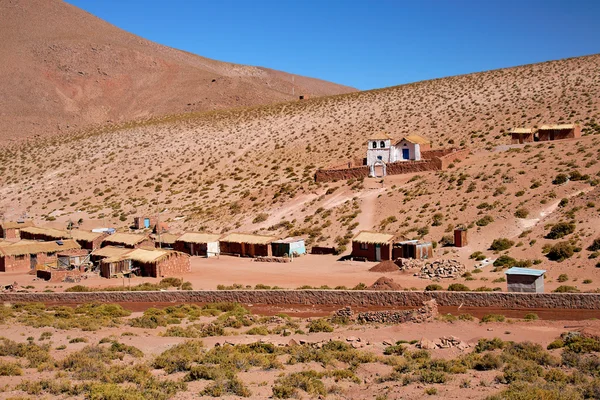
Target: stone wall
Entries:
(353, 298)
(329, 175)
(454, 156)
(408, 167)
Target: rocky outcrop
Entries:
(442, 269)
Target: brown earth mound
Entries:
(385, 266)
(385, 283)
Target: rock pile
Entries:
(442, 269)
(428, 312)
(385, 283)
(273, 259)
(445, 342)
(409, 263)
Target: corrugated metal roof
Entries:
(556, 127)
(525, 271)
(248, 238)
(194, 237)
(125, 238)
(373, 237)
(416, 139)
(51, 232)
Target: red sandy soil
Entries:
(63, 70)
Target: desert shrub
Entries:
(258, 330)
(432, 376)
(595, 246)
(477, 256)
(397, 349)
(521, 212)
(262, 217)
(520, 370)
(562, 278)
(560, 179)
(446, 240)
(531, 352)
(320, 325)
(493, 318)
(561, 230)
(8, 368)
(566, 289)
(458, 287)
(308, 381)
(504, 261)
(230, 386)
(489, 344)
(531, 317)
(433, 287)
(561, 251)
(501, 244)
(179, 357)
(466, 317)
(484, 221)
(487, 362)
(524, 391)
(36, 355)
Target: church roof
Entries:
(416, 139)
(381, 136)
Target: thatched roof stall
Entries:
(129, 240)
(198, 244)
(88, 240)
(38, 233)
(246, 244)
(24, 247)
(373, 237)
(372, 246)
(155, 263)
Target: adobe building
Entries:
(415, 249)
(198, 244)
(525, 280)
(144, 222)
(165, 240)
(12, 230)
(373, 246)
(522, 135)
(558, 132)
(460, 237)
(26, 255)
(43, 234)
(292, 246)
(128, 240)
(247, 245)
(107, 252)
(88, 240)
(153, 263)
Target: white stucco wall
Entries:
(384, 153)
(414, 151)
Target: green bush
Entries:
(521, 213)
(484, 221)
(458, 287)
(560, 179)
(563, 278)
(566, 289)
(501, 244)
(8, 368)
(488, 345)
(493, 318)
(433, 287)
(320, 325)
(308, 381)
(561, 251)
(595, 246)
(561, 230)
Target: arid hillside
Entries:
(252, 169)
(63, 70)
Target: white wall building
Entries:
(381, 151)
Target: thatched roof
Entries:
(144, 256)
(50, 232)
(129, 239)
(193, 237)
(523, 131)
(416, 139)
(558, 127)
(373, 237)
(381, 136)
(111, 251)
(248, 238)
(86, 235)
(32, 247)
(290, 240)
(166, 238)
(16, 224)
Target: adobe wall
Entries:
(454, 156)
(408, 167)
(57, 276)
(176, 265)
(370, 253)
(342, 298)
(329, 175)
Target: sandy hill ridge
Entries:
(64, 69)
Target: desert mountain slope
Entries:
(63, 69)
(253, 169)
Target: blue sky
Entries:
(365, 44)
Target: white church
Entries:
(382, 152)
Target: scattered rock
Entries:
(426, 344)
(352, 339)
(428, 312)
(441, 269)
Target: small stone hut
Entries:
(247, 245)
(525, 280)
(43, 234)
(128, 240)
(12, 229)
(292, 246)
(154, 263)
(88, 240)
(522, 135)
(26, 254)
(198, 244)
(144, 222)
(558, 132)
(373, 246)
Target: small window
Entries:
(379, 157)
(382, 144)
(364, 246)
(20, 257)
(374, 145)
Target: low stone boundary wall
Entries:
(353, 298)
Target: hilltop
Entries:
(64, 70)
(253, 169)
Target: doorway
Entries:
(33, 261)
(377, 252)
(146, 222)
(405, 154)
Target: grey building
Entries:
(525, 280)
